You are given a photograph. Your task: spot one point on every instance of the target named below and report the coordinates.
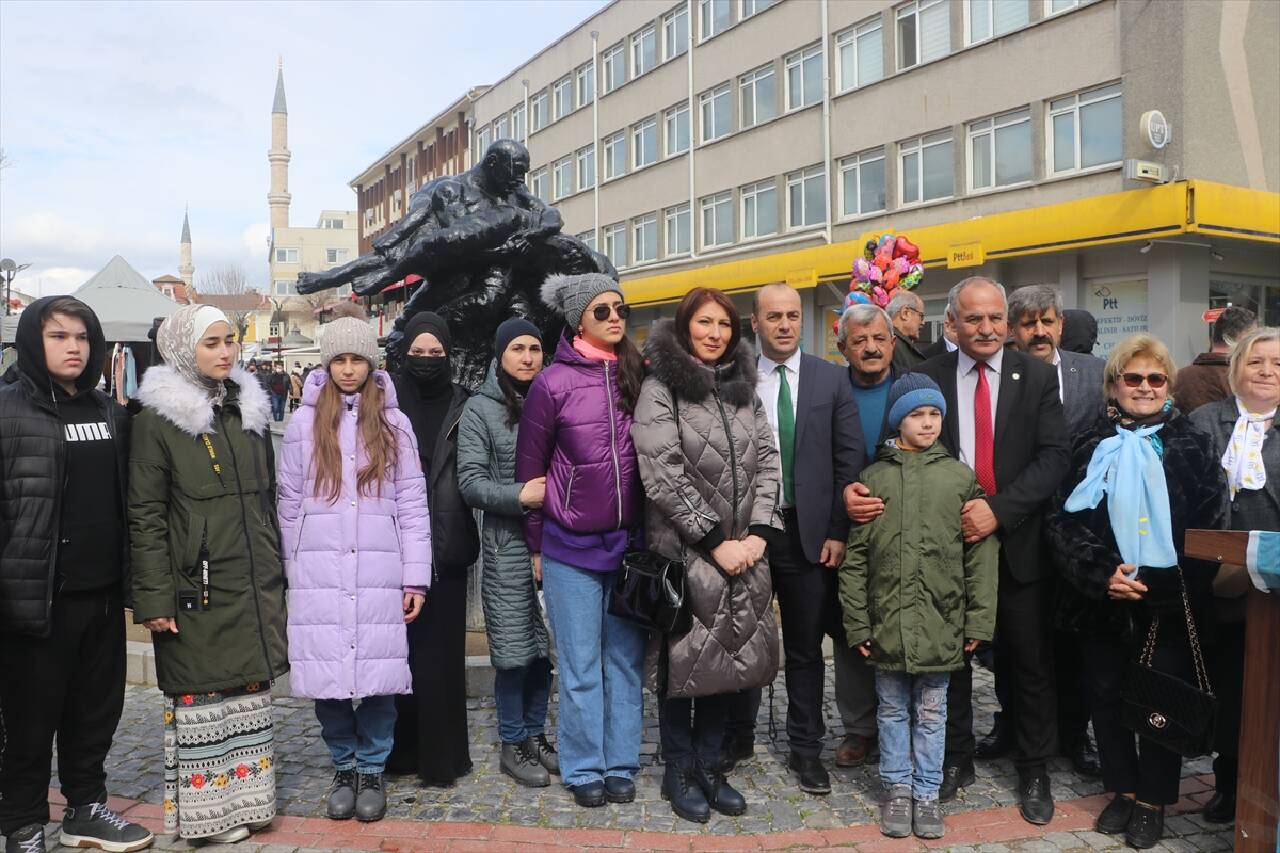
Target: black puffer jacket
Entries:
(1084, 547)
(33, 472)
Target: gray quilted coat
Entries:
(718, 469)
(486, 478)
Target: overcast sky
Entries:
(115, 115)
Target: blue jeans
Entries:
(359, 737)
(277, 406)
(912, 716)
(601, 658)
(521, 694)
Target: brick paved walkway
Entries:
(487, 812)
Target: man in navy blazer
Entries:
(811, 411)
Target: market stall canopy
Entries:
(125, 302)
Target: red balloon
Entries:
(891, 278)
(906, 248)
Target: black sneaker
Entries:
(29, 839)
(95, 825)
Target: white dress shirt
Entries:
(767, 387)
(1057, 365)
(966, 385)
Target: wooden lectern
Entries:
(1257, 798)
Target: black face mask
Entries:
(432, 373)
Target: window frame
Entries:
(756, 9)
(340, 255)
(568, 164)
(706, 14)
(967, 17)
(519, 123)
(584, 85)
(917, 145)
(669, 29)
(612, 232)
(563, 86)
(854, 162)
(722, 90)
(286, 259)
(586, 154)
(637, 45)
(1050, 13)
(915, 7)
(751, 79)
(644, 220)
(672, 115)
(797, 59)
(671, 216)
(798, 178)
(973, 130)
(711, 202)
(752, 192)
(618, 137)
(1050, 113)
(607, 57)
(849, 38)
(540, 176)
(539, 103)
(483, 139)
(646, 123)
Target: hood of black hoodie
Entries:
(29, 341)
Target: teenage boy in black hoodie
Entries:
(63, 576)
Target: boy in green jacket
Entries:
(916, 598)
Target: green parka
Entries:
(180, 508)
(909, 583)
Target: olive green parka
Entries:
(909, 583)
(186, 505)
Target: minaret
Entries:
(186, 269)
(278, 156)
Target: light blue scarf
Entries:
(1127, 469)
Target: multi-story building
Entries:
(735, 143)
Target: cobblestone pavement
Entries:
(491, 811)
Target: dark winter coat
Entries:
(909, 582)
(1084, 548)
(1203, 381)
(1253, 509)
(33, 471)
(180, 508)
(709, 478)
(486, 477)
(574, 431)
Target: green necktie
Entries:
(786, 435)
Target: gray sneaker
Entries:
(95, 825)
(520, 761)
(895, 812)
(28, 839)
(928, 819)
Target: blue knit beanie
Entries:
(511, 329)
(911, 392)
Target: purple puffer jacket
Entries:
(350, 562)
(574, 431)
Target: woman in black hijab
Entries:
(431, 726)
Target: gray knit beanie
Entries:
(349, 334)
(569, 295)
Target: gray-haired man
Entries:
(906, 313)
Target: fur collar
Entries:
(190, 410)
(735, 379)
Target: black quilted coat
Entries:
(717, 469)
(1084, 548)
(32, 472)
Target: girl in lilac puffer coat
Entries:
(357, 548)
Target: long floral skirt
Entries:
(219, 761)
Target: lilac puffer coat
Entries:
(574, 431)
(350, 562)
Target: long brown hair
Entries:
(374, 431)
(695, 299)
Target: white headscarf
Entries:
(177, 338)
(1243, 459)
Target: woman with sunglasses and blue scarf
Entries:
(1141, 476)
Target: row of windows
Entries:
(331, 256)
(1083, 132)
(922, 34)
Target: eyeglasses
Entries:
(601, 312)
(1135, 380)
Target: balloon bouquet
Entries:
(887, 264)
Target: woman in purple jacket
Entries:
(576, 431)
(357, 546)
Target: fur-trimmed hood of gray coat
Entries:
(710, 477)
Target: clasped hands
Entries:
(735, 556)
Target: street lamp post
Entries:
(8, 270)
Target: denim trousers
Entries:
(912, 716)
(359, 736)
(521, 694)
(277, 407)
(600, 659)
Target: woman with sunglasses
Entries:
(1140, 477)
(1245, 436)
(575, 430)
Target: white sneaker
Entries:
(227, 836)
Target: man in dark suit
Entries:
(1004, 419)
(906, 314)
(815, 424)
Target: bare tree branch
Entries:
(230, 280)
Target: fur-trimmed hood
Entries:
(670, 362)
(190, 409)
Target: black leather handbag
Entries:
(650, 591)
(1162, 707)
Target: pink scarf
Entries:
(593, 352)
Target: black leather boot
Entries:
(720, 795)
(682, 790)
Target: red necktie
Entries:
(983, 440)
